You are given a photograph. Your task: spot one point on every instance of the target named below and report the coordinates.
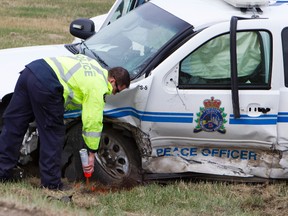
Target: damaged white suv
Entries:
(207, 98)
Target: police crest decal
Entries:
(211, 117)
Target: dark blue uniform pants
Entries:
(32, 100)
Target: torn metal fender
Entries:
(267, 164)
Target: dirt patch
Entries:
(13, 210)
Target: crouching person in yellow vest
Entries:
(46, 89)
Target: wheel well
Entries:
(112, 137)
(140, 139)
(123, 130)
(5, 100)
(3, 105)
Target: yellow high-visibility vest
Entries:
(85, 83)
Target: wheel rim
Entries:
(112, 157)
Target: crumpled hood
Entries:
(13, 60)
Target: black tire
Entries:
(117, 161)
(71, 162)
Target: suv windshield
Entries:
(135, 39)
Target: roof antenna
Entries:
(254, 9)
(249, 5)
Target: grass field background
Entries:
(39, 22)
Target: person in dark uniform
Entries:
(46, 88)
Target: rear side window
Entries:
(124, 7)
(285, 53)
(209, 66)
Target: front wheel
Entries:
(117, 160)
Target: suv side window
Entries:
(124, 7)
(285, 53)
(209, 66)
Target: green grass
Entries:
(36, 22)
(39, 22)
(178, 198)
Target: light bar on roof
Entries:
(247, 3)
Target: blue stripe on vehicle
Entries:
(268, 119)
(173, 117)
(72, 114)
(282, 117)
(279, 3)
(150, 116)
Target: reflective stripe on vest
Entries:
(91, 65)
(91, 134)
(66, 77)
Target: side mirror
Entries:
(82, 28)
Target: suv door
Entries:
(200, 132)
